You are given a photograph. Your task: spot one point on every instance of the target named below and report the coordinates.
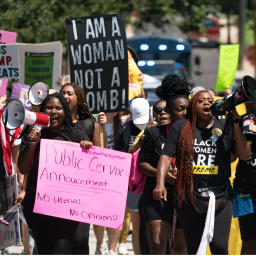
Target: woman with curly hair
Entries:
(159, 214)
(203, 161)
(52, 235)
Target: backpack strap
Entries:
(126, 135)
(89, 127)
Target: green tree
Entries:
(228, 7)
(43, 21)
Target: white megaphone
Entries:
(15, 114)
(38, 91)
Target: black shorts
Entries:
(247, 224)
(158, 209)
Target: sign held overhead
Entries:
(99, 61)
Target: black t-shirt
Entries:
(245, 180)
(2, 169)
(119, 141)
(151, 150)
(211, 165)
(46, 134)
(153, 144)
(82, 126)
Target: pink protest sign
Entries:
(82, 186)
(6, 37)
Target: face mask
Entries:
(141, 126)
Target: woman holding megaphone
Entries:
(204, 196)
(52, 235)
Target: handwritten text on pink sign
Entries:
(83, 186)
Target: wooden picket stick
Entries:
(101, 136)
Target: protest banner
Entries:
(99, 61)
(82, 186)
(20, 92)
(41, 62)
(228, 61)
(10, 235)
(134, 84)
(6, 37)
(9, 61)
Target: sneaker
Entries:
(122, 250)
(100, 249)
(111, 253)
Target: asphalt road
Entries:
(209, 66)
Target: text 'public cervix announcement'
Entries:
(99, 61)
(77, 185)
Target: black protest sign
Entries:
(99, 60)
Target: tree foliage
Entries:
(43, 21)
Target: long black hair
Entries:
(174, 87)
(67, 123)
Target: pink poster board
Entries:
(83, 186)
(6, 37)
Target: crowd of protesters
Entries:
(166, 218)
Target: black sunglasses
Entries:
(159, 110)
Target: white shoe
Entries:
(122, 250)
(111, 253)
(100, 249)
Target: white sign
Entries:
(10, 235)
(9, 61)
(41, 62)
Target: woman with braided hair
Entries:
(159, 214)
(203, 162)
(52, 235)
(83, 119)
(81, 114)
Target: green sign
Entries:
(228, 61)
(39, 67)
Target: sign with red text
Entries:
(9, 61)
(83, 186)
(6, 37)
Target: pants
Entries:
(52, 235)
(144, 240)
(80, 244)
(193, 224)
(126, 227)
(3, 203)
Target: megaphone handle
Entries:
(37, 127)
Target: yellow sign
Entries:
(227, 66)
(134, 84)
(206, 170)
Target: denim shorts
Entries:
(132, 201)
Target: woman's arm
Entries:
(96, 136)
(243, 149)
(15, 155)
(102, 120)
(150, 171)
(162, 170)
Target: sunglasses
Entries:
(159, 110)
